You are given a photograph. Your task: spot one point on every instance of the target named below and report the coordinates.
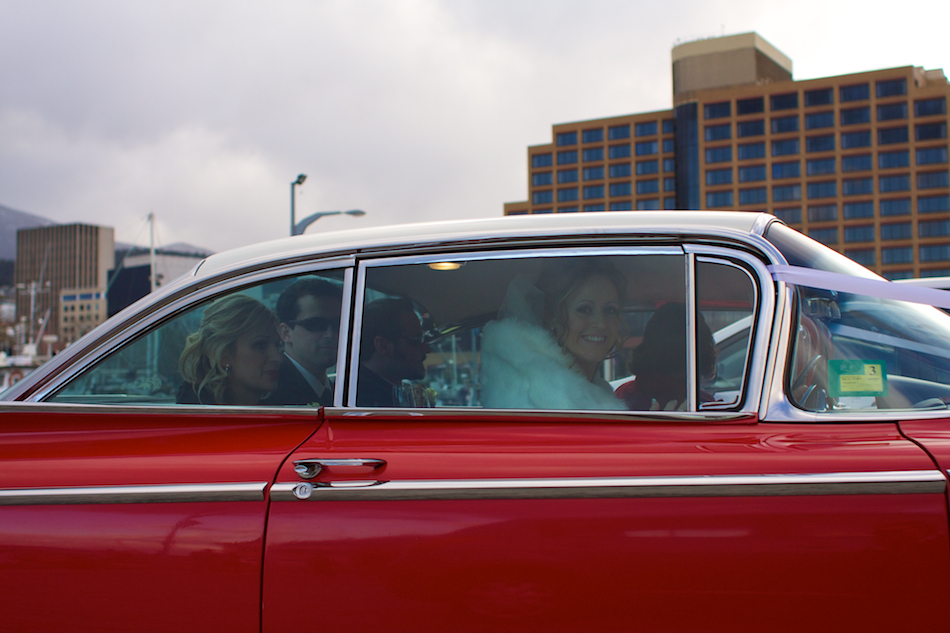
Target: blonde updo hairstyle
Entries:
(223, 322)
(563, 277)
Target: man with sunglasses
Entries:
(308, 312)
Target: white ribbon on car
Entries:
(879, 288)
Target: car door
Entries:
(470, 519)
(121, 509)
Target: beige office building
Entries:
(858, 162)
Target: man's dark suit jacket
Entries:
(293, 389)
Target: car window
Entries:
(855, 352)
(572, 332)
(271, 344)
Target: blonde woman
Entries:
(234, 357)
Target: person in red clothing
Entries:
(659, 362)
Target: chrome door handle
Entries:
(310, 468)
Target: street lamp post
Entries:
(299, 181)
(300, 227)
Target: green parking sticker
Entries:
(856, 378)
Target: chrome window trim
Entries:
(174, 493)
(134, 327)
(765, 485)
(345, 312)
(467, 256)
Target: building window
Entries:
(933, 180)
(820, 166)
(935, 272)
(624, 205)
(786, 147)
(853, 210)
(822, 96)
(567, 158)
(669, 146)
(932, 155)
(541, 179)
(895, 206)
(593, 136)
(594, 208)
(718, 132)
(668, 126)
(933, 228)
(930, 131)
(719, 154)
(566, 175)
(619, 151)
(669, 184)
(593, 154)
(856, 162)
(669, 203)
(619, 189)
(617, 132)
(857, 92)
(648, 205)
(783, 124)
(758, 195)
(718, 177)
(935, 253)
(750, 128)
(859, 233)
(750, 106)
(891, 88)
(717, 110)
(593, 191)
(566, 138)
(542, 197)
(573, 209)
(863, 256)
(751, 173)
(825, 236)
(593, 173)
(648, 186)
(819, 120)
(929, 107)
(620, 170)
(786, 193)
(567, 195)
(791, 215)
(786, 170)
(855, 116)
(828, 189)
(783, 102)
(891, 160)
(933, 204)
(645, 129)
(669, 164)
(892, 111)
(719, 199)
(899, 231)
(857, 186)
(748, 151)
(851, 140)
(542, 160)
(824, 143)
(900, 182)
(646, 148)
(891, 135)
(822, 212)
(648, 167)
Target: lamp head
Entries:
(355, 212)
(300, 179)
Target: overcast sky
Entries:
(203, 112)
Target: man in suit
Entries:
(392, 349)
(308, 313)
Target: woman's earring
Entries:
(227, 368)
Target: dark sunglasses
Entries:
(316, 324)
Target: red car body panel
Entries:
(730, 563)
(147, 566)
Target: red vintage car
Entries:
(669, 421)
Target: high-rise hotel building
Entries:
(858, 162)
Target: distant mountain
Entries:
(11, 221)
